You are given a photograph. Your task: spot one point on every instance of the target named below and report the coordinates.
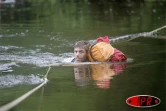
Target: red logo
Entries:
(143, 101)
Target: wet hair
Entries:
(82, 44)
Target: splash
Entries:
(14, 80)
(7, 67)
(5, 48)
(34, 57)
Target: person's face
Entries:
(80, 54)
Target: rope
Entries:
(20, 99)
(49, 67)
(157, 29)
(133, 36)
(148, 33)
(41, 97)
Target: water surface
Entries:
(40, 33)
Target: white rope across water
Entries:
(149, 33)
(133, 36)
(20, 99)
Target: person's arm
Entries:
(73, 60)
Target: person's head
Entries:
(80, 51)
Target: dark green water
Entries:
(40, 33)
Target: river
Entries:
(36, 34)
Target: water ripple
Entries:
(13, 80)
(33, 57)
(6, 67)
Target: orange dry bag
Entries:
(100, 52)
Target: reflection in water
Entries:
(101, 74)
(82, 75)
